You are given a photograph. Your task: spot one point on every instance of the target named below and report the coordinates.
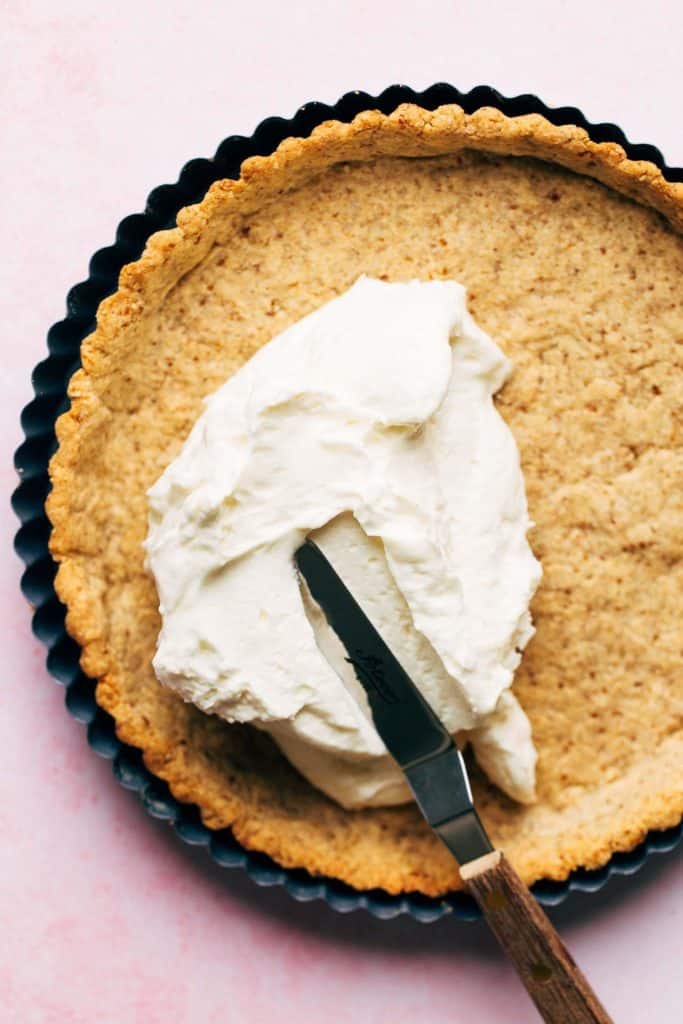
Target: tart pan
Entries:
(50, 381)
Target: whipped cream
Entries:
(370, 425)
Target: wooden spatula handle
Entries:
(558, 988)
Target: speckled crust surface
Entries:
(581, 288)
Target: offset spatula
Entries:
(437, 776)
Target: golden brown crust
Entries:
(582, 289)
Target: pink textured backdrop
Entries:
(105, 917)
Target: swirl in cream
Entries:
(370, 425)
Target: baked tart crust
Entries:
(581, 287)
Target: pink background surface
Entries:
(105, 916)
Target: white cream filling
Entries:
(369, 423)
